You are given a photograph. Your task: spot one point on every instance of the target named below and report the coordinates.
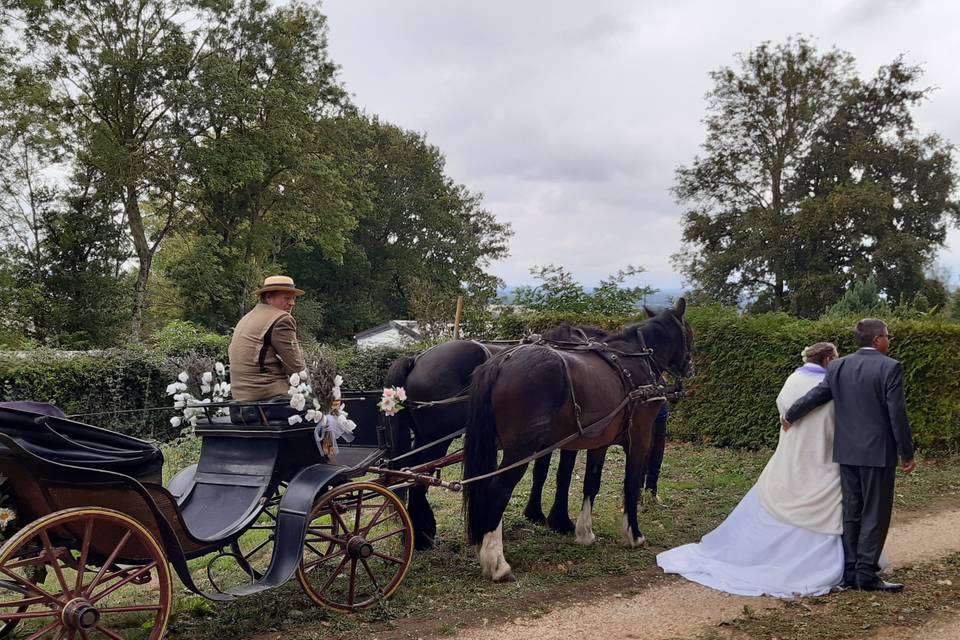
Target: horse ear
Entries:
(680, 308)
(649, 312)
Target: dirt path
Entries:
(679, 608)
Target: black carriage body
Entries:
(54, 464)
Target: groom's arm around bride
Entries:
(872, 432)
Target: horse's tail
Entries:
(400, 426)
(480, 449)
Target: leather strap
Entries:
(266, 345)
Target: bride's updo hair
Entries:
(819, 352)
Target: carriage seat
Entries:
(273, 411)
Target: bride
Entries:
(783, 539)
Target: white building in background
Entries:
(395, 333)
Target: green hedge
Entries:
(110, 383)
(112, 388)
(367, 368)
(742, 361)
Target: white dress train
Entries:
(783, 539)
(753, 554)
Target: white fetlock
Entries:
(493, 564)
(585, 535)
(628, 537)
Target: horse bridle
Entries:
(658, 371)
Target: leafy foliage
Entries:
(862, 299)
(559, 292)
(741, 362)
(420, 240)
(813, 179)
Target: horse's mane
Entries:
(629, 333)
(565, 332)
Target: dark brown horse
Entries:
(443, 373)
(531, 398)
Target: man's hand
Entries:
(784, 423)
(908, 466)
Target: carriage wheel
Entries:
(249, 556)
(358, 548)
(65, 577)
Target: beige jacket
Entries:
(282, 357)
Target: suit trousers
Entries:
(867, 507)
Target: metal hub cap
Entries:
(80, 614)
(357, 547)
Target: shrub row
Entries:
(742, 361)
(114, 386)
(125, 389)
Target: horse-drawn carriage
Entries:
(100, 532)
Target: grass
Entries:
(934, 591)
(443, 589)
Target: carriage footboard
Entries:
(292, 517)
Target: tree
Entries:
(420, 241)
(874, 196)
(558, 291)
(268, 179)
(862, 299)
(119, 70)
(812, 179)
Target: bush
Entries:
(367, 368)
(182, 336)
(116, 384)
(742, 361)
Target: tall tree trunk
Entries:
(144, 256)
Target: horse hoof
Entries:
(561, 525)
(505, 578)
(637, 543)
(424, 544)
(536, 517)
(587, 540)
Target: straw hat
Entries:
(278, 283)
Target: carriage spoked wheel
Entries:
(84, 573)
(358, 548)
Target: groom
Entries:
(871, 430)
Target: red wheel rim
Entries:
(84, 573)
(358, 549)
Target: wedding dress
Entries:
(783, 539)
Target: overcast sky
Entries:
(570, 116)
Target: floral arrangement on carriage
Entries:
(212, 388)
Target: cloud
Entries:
(572, 117)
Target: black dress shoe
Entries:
(880, 585)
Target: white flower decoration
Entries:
(175, 421)
(183, 377)
(221, 370)
(207, 377)
(294, 419)
(298, 402)
(295, 380)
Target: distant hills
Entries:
(661, 298)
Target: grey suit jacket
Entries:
(871, 413)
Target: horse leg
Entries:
(421, 514)
(591, 487)
(559, 518)
(637, 451)
(493, 564)
(534, 512)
